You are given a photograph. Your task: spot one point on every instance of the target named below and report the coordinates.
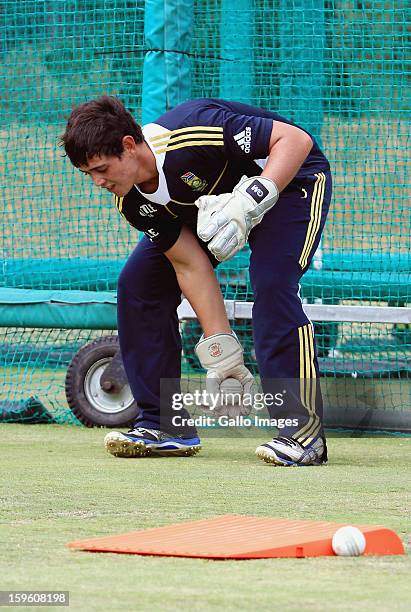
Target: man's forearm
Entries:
(204, 294)
(225, 221)
(198, 283)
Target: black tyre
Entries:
(88, 401)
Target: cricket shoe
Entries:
(142, 442)
(286, 451)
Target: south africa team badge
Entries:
(197, 184)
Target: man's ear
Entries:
(129, 144)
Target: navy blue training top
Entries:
(202, 147)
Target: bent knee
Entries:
(275, 285)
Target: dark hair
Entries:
(97, 128)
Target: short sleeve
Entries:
(163, 232)
(163, 235)
(245, 136)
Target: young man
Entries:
(201, 181)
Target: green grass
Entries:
(60, 485)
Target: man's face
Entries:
(117, 175)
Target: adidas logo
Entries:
(243, 139)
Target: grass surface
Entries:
(60, 485)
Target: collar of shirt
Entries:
(161, 196)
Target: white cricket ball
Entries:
(348, 541)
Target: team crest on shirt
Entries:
(197, 184)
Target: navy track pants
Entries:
(282, 246)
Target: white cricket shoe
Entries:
(286, 451)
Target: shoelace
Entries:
(287, 441)
(143, 430)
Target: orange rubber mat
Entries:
(241, 537)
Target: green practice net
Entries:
(337, 68)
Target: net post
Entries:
(166, 70)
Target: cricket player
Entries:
(201, 181)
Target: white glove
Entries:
(227, 219)
(222, 356)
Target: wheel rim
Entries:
(109, 403)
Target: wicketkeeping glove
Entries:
(222, 356)
(227, 219)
